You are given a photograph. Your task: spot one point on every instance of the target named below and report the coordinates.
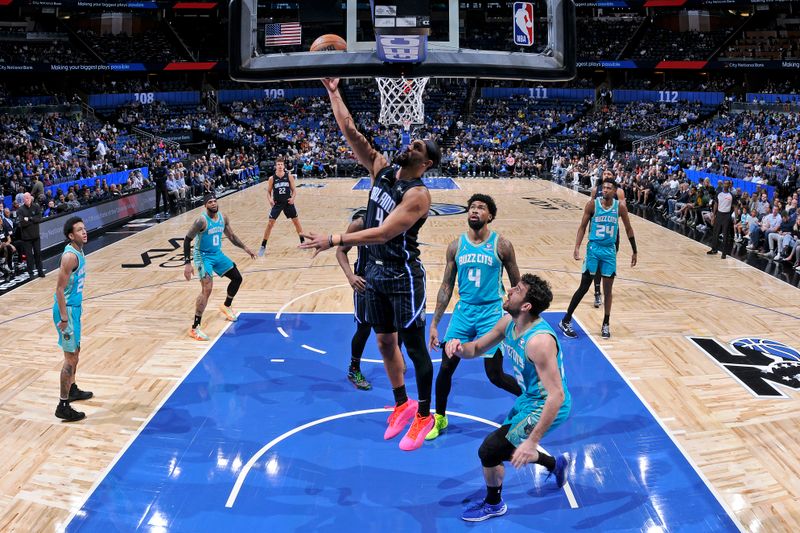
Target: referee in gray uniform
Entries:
(722, 220)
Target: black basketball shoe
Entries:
(567, 329)
(76, 394)
(65, 412)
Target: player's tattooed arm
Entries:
(509, 259)
(373, 160)
(198, 226)
(448, 284)
(235, 240)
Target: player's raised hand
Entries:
(453, 348)
(331, 84)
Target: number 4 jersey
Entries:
(386, 193)
(480, 270)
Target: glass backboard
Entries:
(270, 41)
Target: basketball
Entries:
(328, 42)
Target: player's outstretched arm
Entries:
(370, 158)
(198, 227)
(588, 212)
(415, 205)
(235, 240)
(542, 350)
(626, 220)
(509, 258)
(445, 292)
(476, 348)
(357, 282)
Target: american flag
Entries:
(284, 33)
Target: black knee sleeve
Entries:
(495, 448)
(359, 340)
(236, 281)
(417, 350)
(444, 382)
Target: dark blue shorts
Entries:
(395, 296)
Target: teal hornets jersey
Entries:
(73, 293)
(524, 369)
(210, 241)
(480, 270)
(605, 223)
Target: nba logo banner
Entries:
(523, 23)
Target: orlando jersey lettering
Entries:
(281, 188)
(386, 193)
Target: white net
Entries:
(401, 101)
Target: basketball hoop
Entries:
(401, 101)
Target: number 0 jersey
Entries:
(605, 223)
(480, 270)
(209, 241)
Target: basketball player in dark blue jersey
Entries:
(395, 278)
(281, 192)
(355, 277)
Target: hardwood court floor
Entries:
(135, 347)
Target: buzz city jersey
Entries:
(386, 193)
(281, 188)
(73, 293)
(533, 393)
(480, 270)
(209, 241)
(605, 223)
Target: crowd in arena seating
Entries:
(666, 44)
(776, 38)
(54, 52)
(151, 46)
(604, 38)
(132, 85)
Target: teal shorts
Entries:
(471, 321)
(210, 264)
(524, 420)
(601, 257)
(70, 339)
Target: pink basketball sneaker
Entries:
(399, 418)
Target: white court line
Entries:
(691, 462)
(307, 347)
(277, 360)
(237, 486)
(100, 479)
(282, 332)
(290, 302)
